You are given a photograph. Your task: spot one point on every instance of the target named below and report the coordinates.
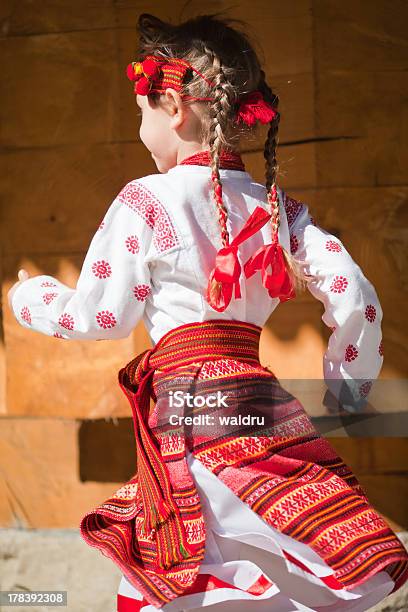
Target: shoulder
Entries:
(146, 196)
(140, 188)
(297, 212)
(158, 188)
(294, 209)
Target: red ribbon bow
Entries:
(253, 108)
(143, 73)
(227, 270)
(277, 281)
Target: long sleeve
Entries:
(352, 310)
(112, 287)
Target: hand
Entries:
(334, 408)
(22, 276)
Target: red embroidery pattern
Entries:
(370, 313)
(333, 246)
(144, 203)
(338, 537)
(58, 335)
(132, 244)
(48, 297)
(339, 284)
(141, 292)
(292, 208)
(66, 320)
(381, 348)
(25, 314)
(294, 243)
(365, 388)
(101, 269)
(106, 319)
(47, 284)
(375, 549)
(223, 367)
(351, 353)
(101, 225)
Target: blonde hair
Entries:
(225, 56)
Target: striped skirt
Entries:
(273, 519)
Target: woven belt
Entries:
(199, 341)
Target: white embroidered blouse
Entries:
(151, 257)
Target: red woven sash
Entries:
(200, 341)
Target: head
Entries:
(170, 128)
(201, 112)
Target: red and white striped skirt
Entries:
(245, 567)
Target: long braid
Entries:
(224, 97)
(271, 170)
(220, 115)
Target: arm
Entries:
(352, 310)
(112, 287)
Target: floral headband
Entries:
(154, 74)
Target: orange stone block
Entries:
(40, 475)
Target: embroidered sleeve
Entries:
(352, 310)
(112, 288)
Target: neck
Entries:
(190, 148)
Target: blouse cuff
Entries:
(32, 299)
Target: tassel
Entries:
(294, 270)
(214, 292)
(160, 515)
(164, 511)
(172, 545)
(219, 292)
(171, 542)
(184, 552)
(147, 526)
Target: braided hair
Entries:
(226, 57)
(271, 169)
(220, 111)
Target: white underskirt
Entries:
(241, 547)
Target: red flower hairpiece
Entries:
(143, 73)
(253, 107)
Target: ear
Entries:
(175, 107)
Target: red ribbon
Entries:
(253, 107)
(277, 281)
(227, 270)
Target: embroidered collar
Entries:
(230, 160)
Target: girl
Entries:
(264, 516)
